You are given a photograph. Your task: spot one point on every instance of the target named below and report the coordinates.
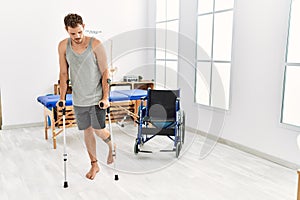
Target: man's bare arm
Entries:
(105, 85)
(63, 66)
(102, 63)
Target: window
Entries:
(214, 43)
(167, 26)
(290, 112)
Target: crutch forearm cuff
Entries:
(108, 139)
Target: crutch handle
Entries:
(61, 104)
(101, 104)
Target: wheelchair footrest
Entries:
(157, 131)
(144, 151)
(167, 150)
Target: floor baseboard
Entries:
(252, 151)
(16, 126)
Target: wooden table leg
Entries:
(46, 125)
(53, 133)
(298, 192)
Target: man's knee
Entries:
(89, 130)
(103, 133)
(100, 131)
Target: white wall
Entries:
(260, 31)
(29, 68)
(30, 34)
(257, 79)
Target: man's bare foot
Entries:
(110, 157)
(93, 171)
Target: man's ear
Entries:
(83, 25)
(66, 28)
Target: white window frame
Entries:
(166, 65)
(212, 88)
(290, 106)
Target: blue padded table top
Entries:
(117, 95)
(135, 94)
(50, 100)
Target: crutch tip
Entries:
(65, 184)
(116, 177)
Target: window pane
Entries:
(172, 9)
(223, 4)
(160, 40)
(167, 43)
(291, 104)
(171, 74)
(160, 73)
(161, 10)
(205, 6)
(220, 85)
(223, 36)
(172, 40)
(160, 54)
(203, 83)
(294, 34)
(204, 37)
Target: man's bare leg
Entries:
(90, 143)
(105, 136)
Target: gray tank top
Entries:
(85, 76)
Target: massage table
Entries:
(49, 104)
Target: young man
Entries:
(85, 58)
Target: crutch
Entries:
(111, 136)
(65, 155)
(112, 139)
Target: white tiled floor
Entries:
(31, 169)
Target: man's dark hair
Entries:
(73, 20)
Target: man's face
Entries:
(76, 34)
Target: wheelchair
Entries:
(160, 114)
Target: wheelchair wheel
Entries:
(182, 127)
(178, 148)
(136, 147)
